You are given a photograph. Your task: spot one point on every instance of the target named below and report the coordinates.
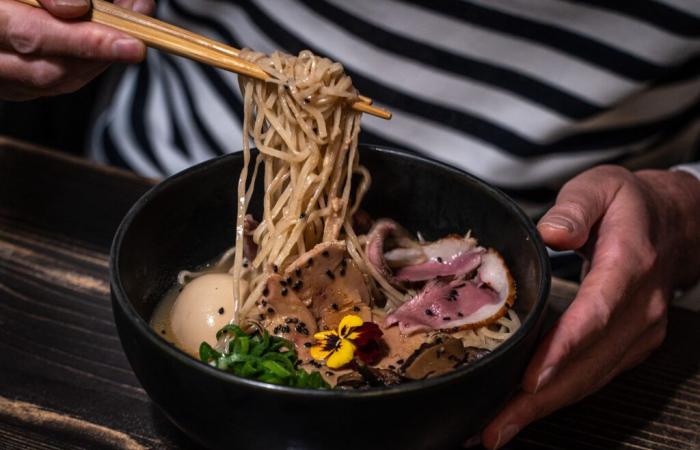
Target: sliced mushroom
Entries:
(379, 377)
(351, 380)
(434, 358)
(366, 376)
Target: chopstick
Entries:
(178, 41)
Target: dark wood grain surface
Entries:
(65, 383)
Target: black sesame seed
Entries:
(344, 263)
(275, 268)
(289, 280)
(298, 273)
(446, 318)
(162, 331)
(460, 286)
(261, 316)
(263, 302)
(302, 329)
(270, 310)
(460, 314)
(302, 215)
(399, 361)
(221, 310)
(356, 308)
(391, 366)
(334, 306)
(307, 344)
(342, 272)
(283, 282)
(310, 262)
(266, 292)
(325, 253)
(428, 312)
(297, 285)
(330, 275)
(284, 292)
(439, 259)
(285, 329)
(245, 264)
(291, 320)
(277, 329)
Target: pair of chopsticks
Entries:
(178, 41)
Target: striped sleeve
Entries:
(522, 94)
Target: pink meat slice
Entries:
(457, 264)
(443, 304)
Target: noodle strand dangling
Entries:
(306, 132)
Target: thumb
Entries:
(579, 206)
(66, 9)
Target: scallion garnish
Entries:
(260, 357)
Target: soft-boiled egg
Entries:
(202, 308)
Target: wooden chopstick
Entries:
(172, 39)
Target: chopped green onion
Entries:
(261, 357)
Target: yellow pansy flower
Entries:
(337, 347)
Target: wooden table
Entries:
(65, 383)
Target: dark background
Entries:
(61, 122)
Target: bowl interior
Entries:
(189, 220)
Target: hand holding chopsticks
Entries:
(167, 37)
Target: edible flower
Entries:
(353, 336)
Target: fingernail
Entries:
(506, 434)
(472, 441)
(544, 378)
(72, 3)
(559, 222)
(127, 48)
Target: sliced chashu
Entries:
(458, 304)
(330, 283)
(282, 313)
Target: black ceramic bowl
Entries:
(189, 219)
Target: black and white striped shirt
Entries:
(522, 93)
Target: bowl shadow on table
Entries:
(641, 408)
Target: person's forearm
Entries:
(678, 196)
